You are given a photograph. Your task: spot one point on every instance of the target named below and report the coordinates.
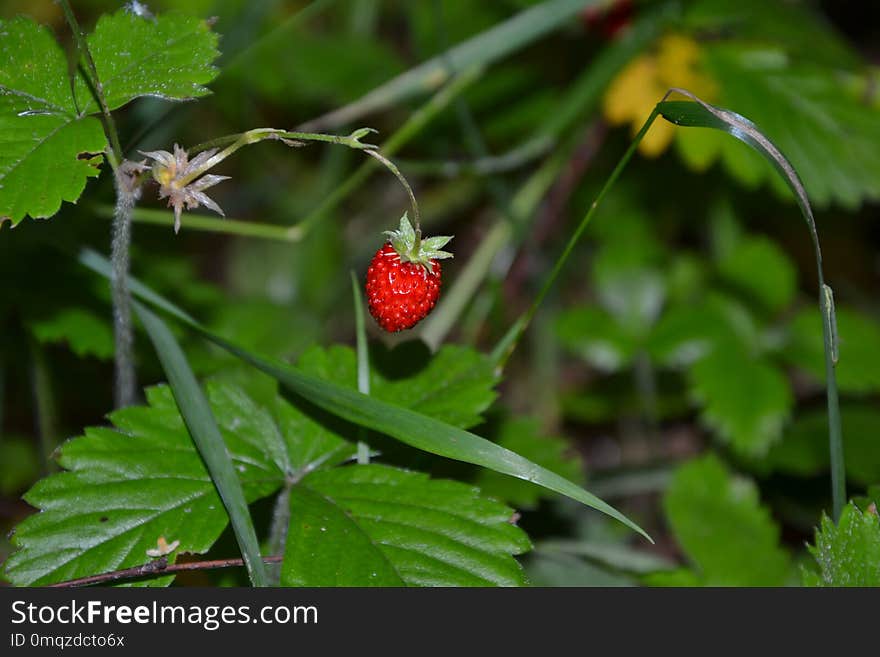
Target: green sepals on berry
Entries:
(410, 246)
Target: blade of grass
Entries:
(702, 115)
(199, 419)
(481, 50)
(699, 114)
(407, 426)
(363, 360)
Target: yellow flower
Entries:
(631, 96)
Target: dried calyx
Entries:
(179, 180)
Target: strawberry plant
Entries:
(624, 376)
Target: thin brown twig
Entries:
(157, 567)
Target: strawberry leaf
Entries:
(126, 487)
(745, 400)
(848, 554)
(719, 522)
(47, 147)
(168, 57)
(372, 525)
(86, 333)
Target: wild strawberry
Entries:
(403, 280)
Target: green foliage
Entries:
(125, 487)
(761, 269)
(84, 332)
(719, 522)
(196, 413)
(745, 400)
(456, 385)
(781, 67)
(523, 436)
(47, 147)
(822, 125)
(687, 332)
(683, 331)
(597, 337)
(378, 526)
(19, 464)
(848, 553)
(169, 57)
(858, 366)
(803, 451)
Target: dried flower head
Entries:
(180, 182)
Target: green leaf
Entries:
(719, 522)
(746, 401)
(858, 364)
(372, 525)
(760, 269)
(848, 554)
(85, 333)
(421, 431)
(629, 285)
(168, 57)
(125, 488)
(681, 577)
(455, 385)
(409, 427)
(47, 147)
(687, 332)
(797, 27)
(803, 450)
(205, 433)
(826, 129)
(523, 436)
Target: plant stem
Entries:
(97, 88)
(363, 363)
(835, 433)
(240, 139)
(210, 224)
(158, 568)
(278, 531)
(127, 193)
(416, 219)
(508, 343)
(126, 196)
(413, 125)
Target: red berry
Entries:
(401, 294)
(403, 281)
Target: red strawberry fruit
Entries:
(403, 280)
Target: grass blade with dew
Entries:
(199, 420)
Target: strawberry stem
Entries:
(415, 220)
